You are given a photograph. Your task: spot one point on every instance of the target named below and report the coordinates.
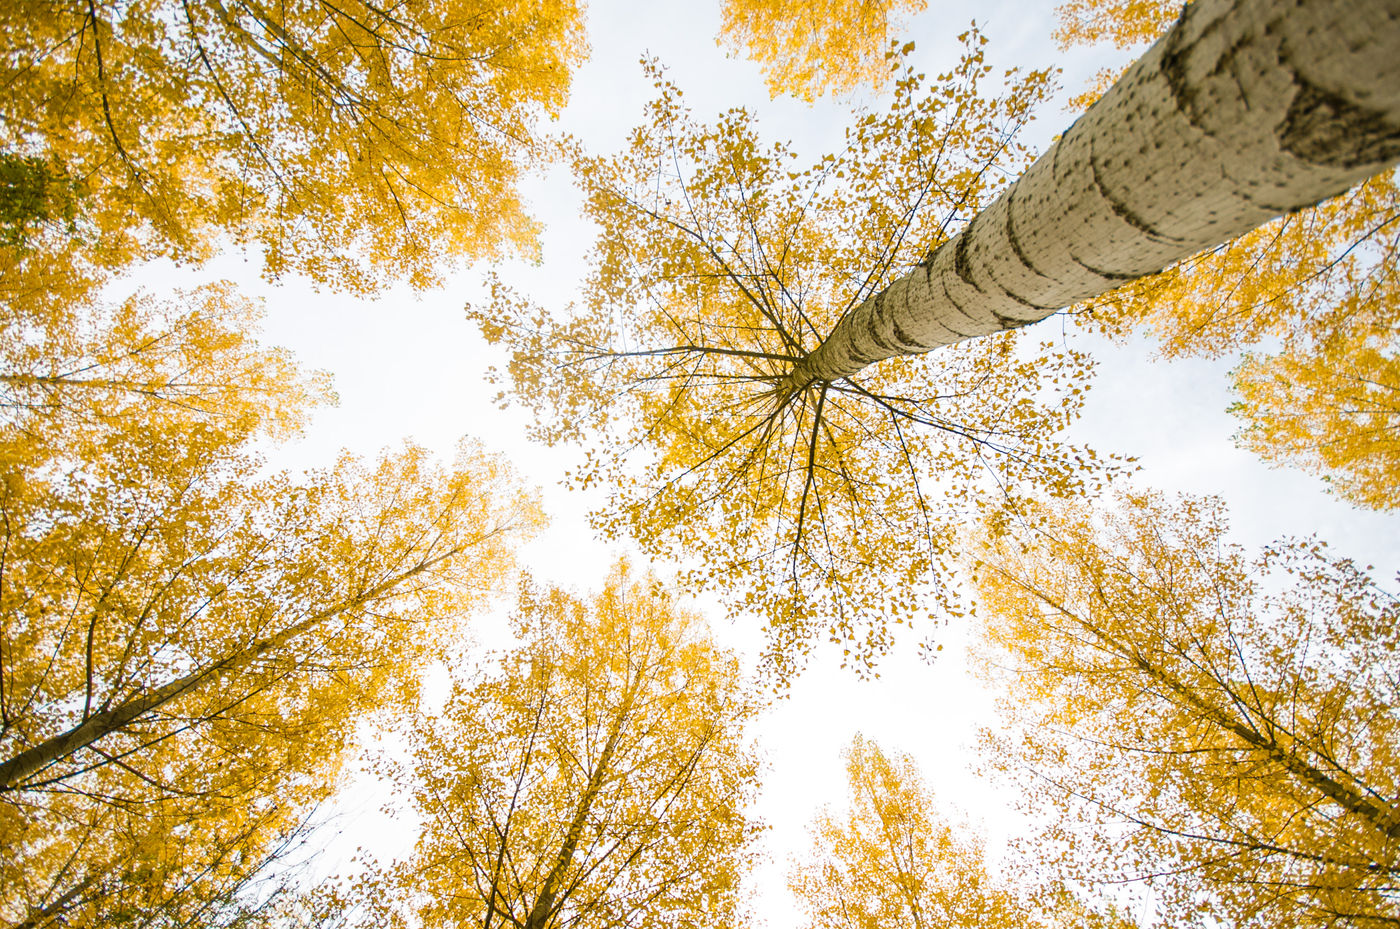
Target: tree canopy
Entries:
(892, 860)
(1221, 727)
(748, 323)
(811, 47)
(195, 648)
(185, 646)
(352, 142)
(822, 508)
(85, 369)
(595, 775)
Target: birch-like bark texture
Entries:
(1244, 111)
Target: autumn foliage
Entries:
(1216, 726)
(596, 775)
(185, 647)
(198, 650)
(353, 142)
(810, 47)
(893, 858)
(825, 509)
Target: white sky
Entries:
(410, 366)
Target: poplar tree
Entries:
(746, 368)
(187, 647)
(595, 775)
(1220, 727)
(353, 142)
(891, 858)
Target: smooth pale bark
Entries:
(1244, 111)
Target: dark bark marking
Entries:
(1024, 302)
(1025, 262)
(1009, 322)
(853, 344)
(882, 348)
(1321, 127)
(1324, 128)
(957, 306)
(903, 339)
(962, 262)
(1173, 64)
(1106, 275)
(1014, 239)
(885, 348)
(1124, 212)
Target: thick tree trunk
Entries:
(1244, 111)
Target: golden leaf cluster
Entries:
(810, 47)
(890, 859)
(351, 142)
(596, 774)
(1219, 728)
(187, 642)
(185, 646)
(825, 509)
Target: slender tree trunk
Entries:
(1244, 111)
(1379, 815)
(547, 902)
(1373, 812)
(15, 770)
(50, 913)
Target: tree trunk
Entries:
(542, 913)
(1245, 110)
(1363, 803)
(14, 771)
(18, 768)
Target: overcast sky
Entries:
(410, 367)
